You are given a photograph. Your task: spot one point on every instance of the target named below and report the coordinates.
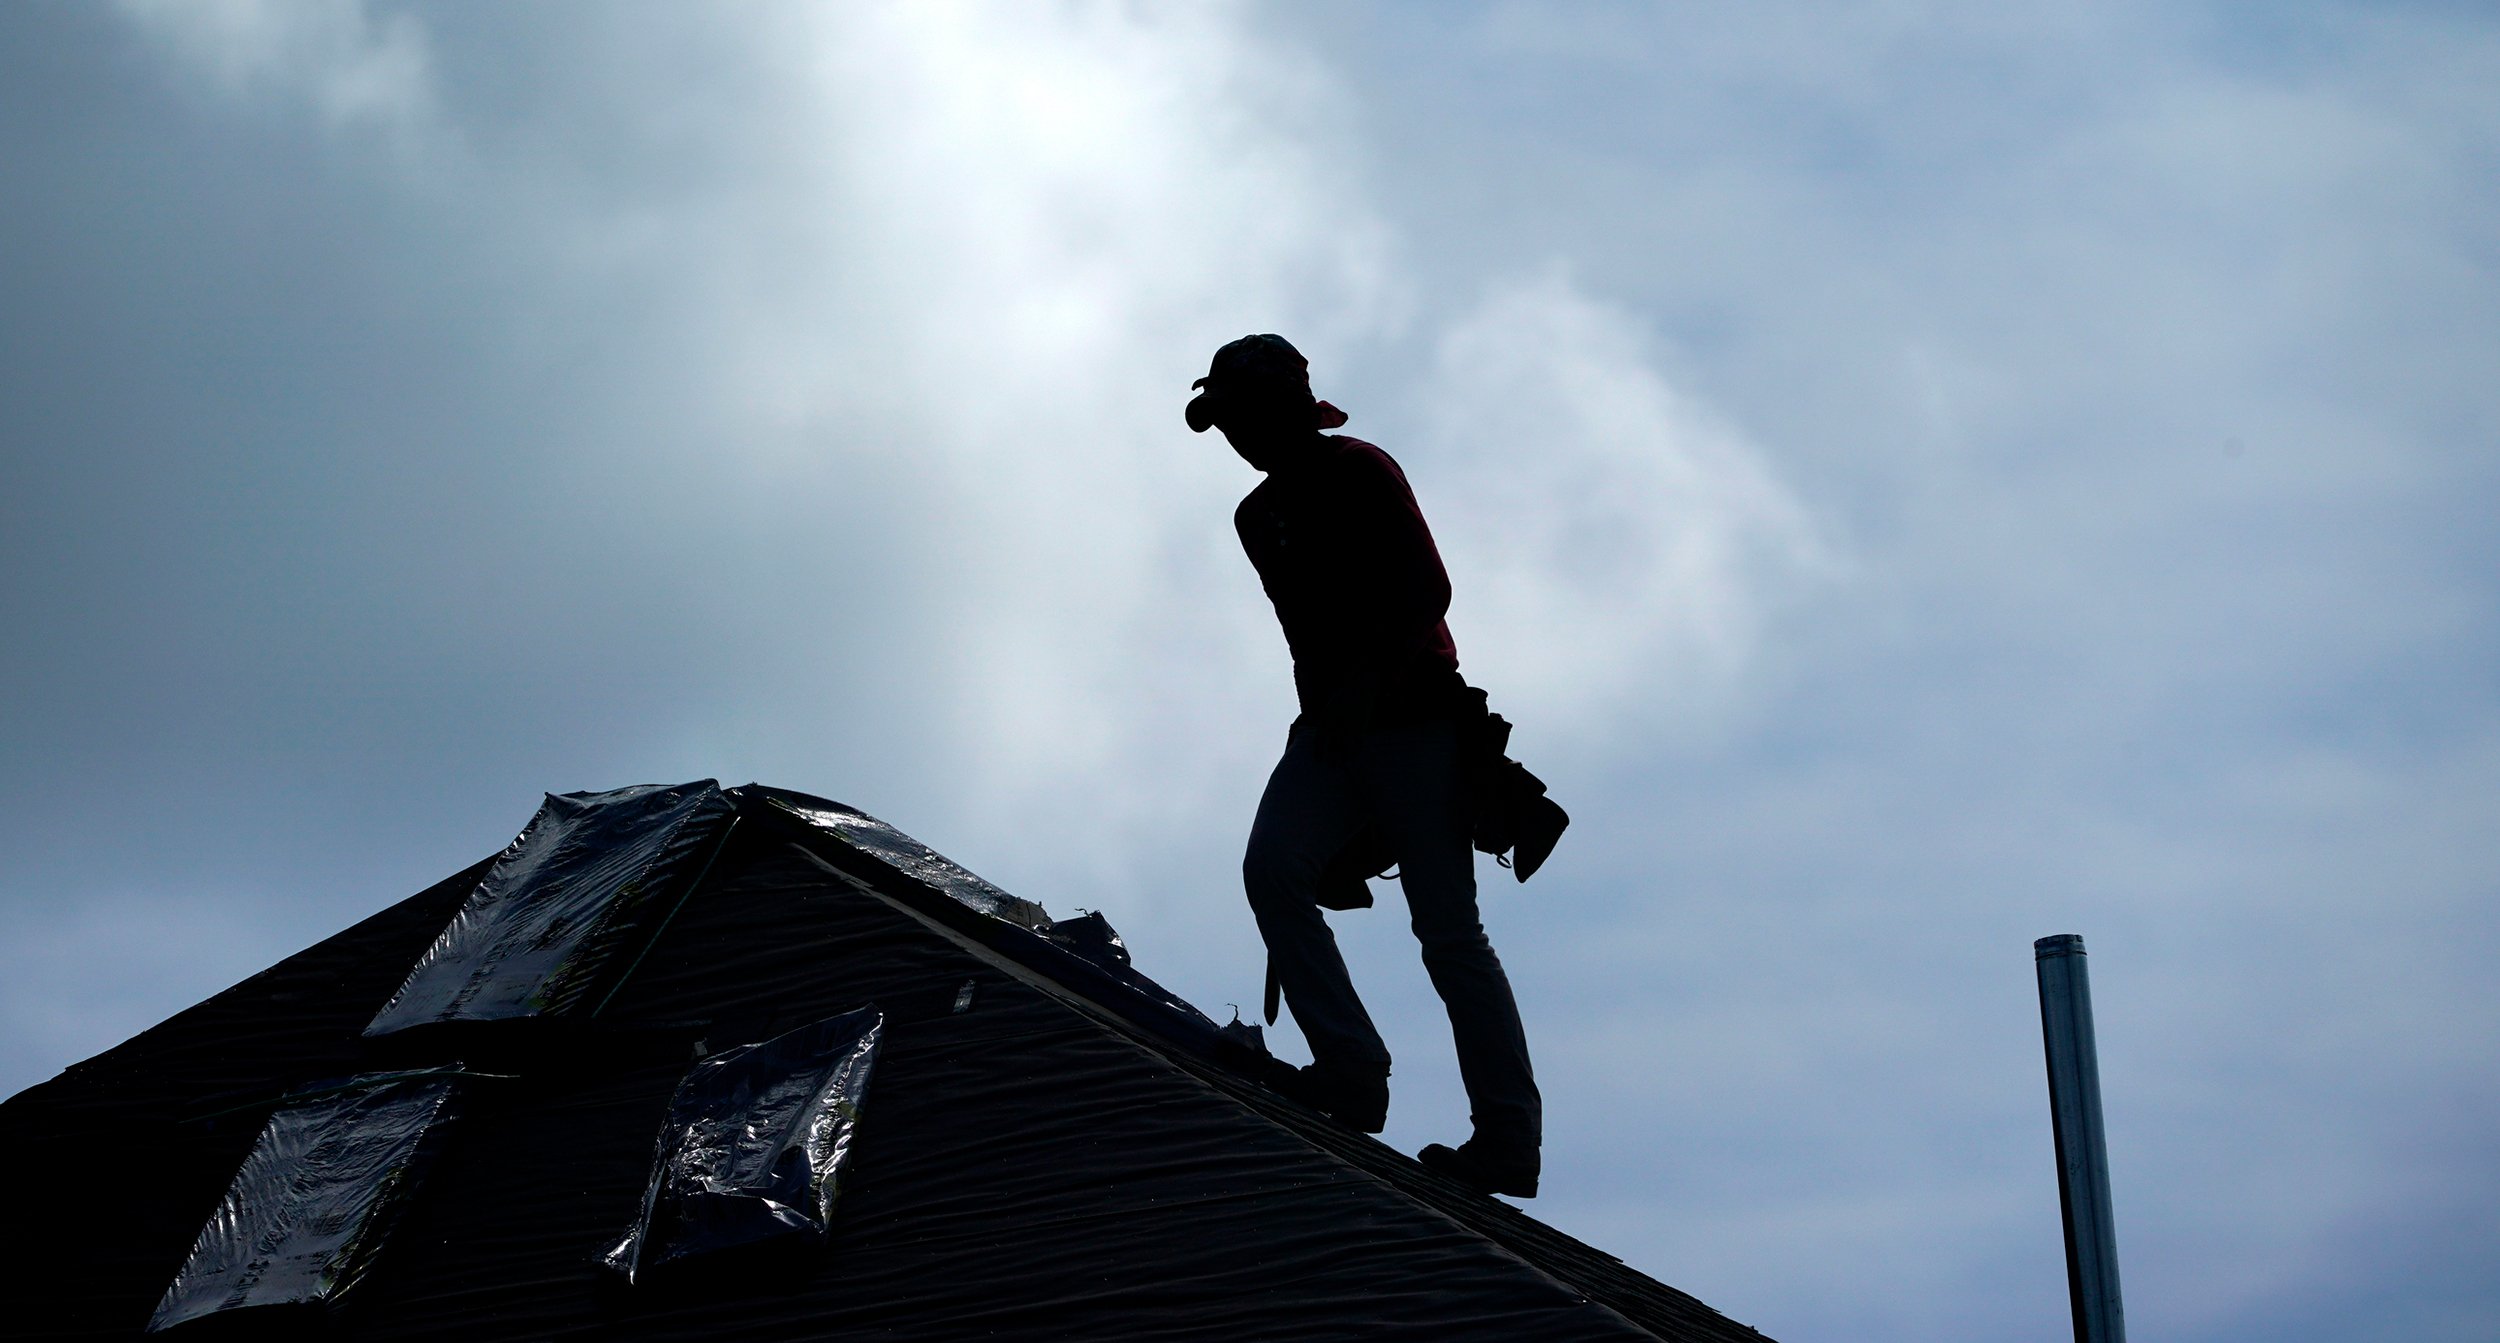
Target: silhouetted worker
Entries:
(1358, 586)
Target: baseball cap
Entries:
(1251, 365)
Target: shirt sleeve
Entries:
(1399, 586)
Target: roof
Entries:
(1053, 1146)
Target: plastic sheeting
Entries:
(1083, 954)
(309, 1211)
(904, 854)
(754, 1145)
(591, 877)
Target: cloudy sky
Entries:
(1923, 476)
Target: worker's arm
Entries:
(1391, 590)
(1397, 589)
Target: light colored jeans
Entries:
(1405, 778)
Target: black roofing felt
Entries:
(1065, 1151)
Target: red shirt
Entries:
(1358, 585)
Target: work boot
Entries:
(1485, 1167)
(1355, 1096)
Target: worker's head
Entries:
(1258, 391)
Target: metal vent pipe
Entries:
(2082, 1156)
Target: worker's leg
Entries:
(1410, 776)
(1308, 813)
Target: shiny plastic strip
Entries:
(754, 1146)
(579, 890)
(312, 1206)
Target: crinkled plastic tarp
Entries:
(588, 879)
(754, 1145)
(1089, 938)
(308, 1213)
(908, 856)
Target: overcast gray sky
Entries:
(1923, 476)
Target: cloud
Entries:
(1920, 479)
(984, 252)
(353, 68)
(1622, 545)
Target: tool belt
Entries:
(1508, 812)
(1508, 816)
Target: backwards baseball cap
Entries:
(1252, 367)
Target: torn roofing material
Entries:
(1055, 1147)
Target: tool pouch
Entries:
(1509, 815)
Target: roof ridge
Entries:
(1572, 1264)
